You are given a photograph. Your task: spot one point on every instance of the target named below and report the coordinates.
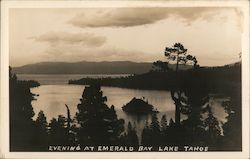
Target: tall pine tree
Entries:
(98, 123)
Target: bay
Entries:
(52, 100)
(54, 93)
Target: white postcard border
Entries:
(6, 5)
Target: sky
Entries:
(212, 34)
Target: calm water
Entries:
(52, 100)
(54, 93)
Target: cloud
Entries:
(56, 38)
(124, 17)
(129, 17)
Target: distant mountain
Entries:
(86, 67)
(233, 64)
(238, 63)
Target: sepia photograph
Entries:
(125, 77)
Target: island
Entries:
(139, 106)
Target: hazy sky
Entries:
(213, 35)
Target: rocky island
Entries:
(138, 106)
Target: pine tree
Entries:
(146, 135)
(164, 129)
(213, 129)
(171, 133)
(58, 132)
(155, 130)
(41, 121)
(164, 123)
(22, 127)
(131, 136)
(178, 54)
(98, 122)
(171, 122)
(41, 131)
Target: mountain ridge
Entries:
(85, 67)
(91, 67)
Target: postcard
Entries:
(124, 79)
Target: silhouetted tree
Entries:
(41, 132)
(146, 135)
(160, 66)
(179, 54)
(164, 123)
(171, 122)
(116, 124)
(58, 132)
(164, 128)
(190, 97)
(172, 134)
(131, 138)
(155, 129)
(98, 122)
(231, 139)
(41, 121)
(151, 134)
(213, 129)
(22, 126)
(69, 118)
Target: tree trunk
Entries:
(177, 114)
(177, 107)
(177, 100)
(177, 64)
(68, 116)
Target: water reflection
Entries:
(52, 100)
(57, 96)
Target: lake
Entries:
(54, 93)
